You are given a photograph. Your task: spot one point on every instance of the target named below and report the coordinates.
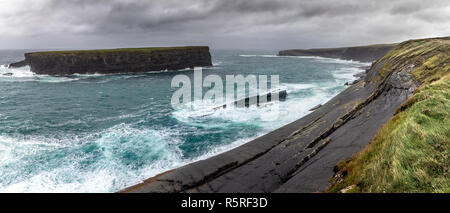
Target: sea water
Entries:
(101, 133)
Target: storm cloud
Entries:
(240, 24)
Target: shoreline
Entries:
(264, 164)
(306, 155)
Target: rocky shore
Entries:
(300, 156)
(111, 61)
(368, 53)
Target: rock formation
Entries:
(131, 60)
(18, 64)
(258, 100)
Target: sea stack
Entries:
(110, 61)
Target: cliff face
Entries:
(300, 156)
(116, 60)
(362, 53)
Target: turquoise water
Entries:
(101, 133)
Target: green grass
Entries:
(101, 51)
(411, 152)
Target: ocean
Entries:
(101, 133)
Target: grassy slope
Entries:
(410, 153)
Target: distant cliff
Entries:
(368, 53)
(109, 61)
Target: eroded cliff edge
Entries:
(368, 53)
(111, 61)
(300, 156)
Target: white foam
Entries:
(265, 56)
(331, 60)
(91, 75)
(317, 58)
(295, 107)
(24, 74)
(108, 173)
(50, 79)
(337, 61)
(346, 74)
(292, 88)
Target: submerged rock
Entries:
(258, 100)
(316, 107)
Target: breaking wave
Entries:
(24, 74)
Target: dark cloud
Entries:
(263, 24)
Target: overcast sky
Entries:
(239, 24)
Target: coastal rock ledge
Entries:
(110, 61)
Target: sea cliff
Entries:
(303, 156)
(368, 53)
(111, 61)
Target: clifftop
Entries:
(125, 60)
(367, 53)
(117, 50)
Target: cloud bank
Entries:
(239, 24)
